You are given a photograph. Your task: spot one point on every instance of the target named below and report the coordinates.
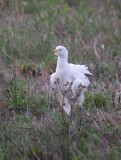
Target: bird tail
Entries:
(82, 69)
(85, 70)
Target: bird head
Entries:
(61, 51)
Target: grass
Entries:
(31, 123)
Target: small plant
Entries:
(17, 95)
(100, 100)
(97, 99)
(37, 152)
(29, 69)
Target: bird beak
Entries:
(56, 50)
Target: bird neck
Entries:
(62, 62)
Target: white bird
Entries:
(69, 80)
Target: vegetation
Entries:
(32, 126)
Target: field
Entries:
(32, 126)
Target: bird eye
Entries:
(60, 49)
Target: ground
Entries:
(31, 121)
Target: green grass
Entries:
(32, 126)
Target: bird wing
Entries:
(53, 79)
